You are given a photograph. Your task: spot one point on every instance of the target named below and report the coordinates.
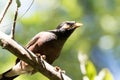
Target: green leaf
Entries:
(90, 70)
(108, 75)
(104, 74)
(18, 3)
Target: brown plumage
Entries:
(48, 43)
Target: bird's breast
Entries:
(51, 49)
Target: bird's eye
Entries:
(71, 24)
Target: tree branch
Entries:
(12, 35)
(5, 10)
(49, 71)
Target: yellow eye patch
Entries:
(66, 26)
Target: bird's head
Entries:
(68, 25)
(66, 28)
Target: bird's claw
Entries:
(58, 69)
(43, 57)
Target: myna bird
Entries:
(48, 43)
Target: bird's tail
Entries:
(20, 68)
(6, 76)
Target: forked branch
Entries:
(25, 55)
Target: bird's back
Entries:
(46, 43)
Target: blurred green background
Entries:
(91, 53)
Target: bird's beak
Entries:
(76, 25)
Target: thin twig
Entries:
(21, 15)
(14, 24)
(12, 35)
(26, 10)
(5, 10)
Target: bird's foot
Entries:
(43, 57)
(58, 69)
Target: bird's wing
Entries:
(32, 41)
(39, 39)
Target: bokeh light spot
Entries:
(106, 42)
(109, 24)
